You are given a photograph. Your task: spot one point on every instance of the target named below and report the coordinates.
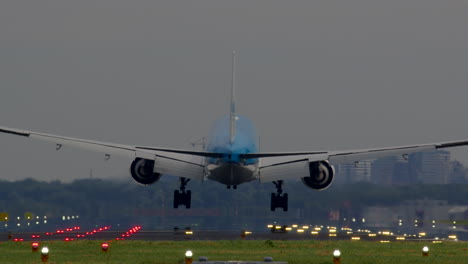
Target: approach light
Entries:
(45, 254)
(188, 257)
(425, 251)
(336, 256)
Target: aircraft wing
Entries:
(188, 164)
(293, 165)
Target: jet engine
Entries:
(142, 171)
(321, 175)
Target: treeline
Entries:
(213, 206)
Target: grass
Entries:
(294, 252)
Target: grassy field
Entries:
(291, 251)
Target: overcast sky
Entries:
(312, 75)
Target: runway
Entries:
(138, 233)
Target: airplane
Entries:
(232, 157)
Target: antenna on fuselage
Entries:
(232, 110)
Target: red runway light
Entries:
(34, 246)
(105, 247)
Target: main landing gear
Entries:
(278, 199)
(182, 197)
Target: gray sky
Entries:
(312, 75)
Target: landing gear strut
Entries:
(182, 197)
(278, 199)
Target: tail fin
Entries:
(232, 110)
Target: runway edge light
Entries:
(336, 256)
(425, 251)
(188, 257)
(45, 254)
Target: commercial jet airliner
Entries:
(232, 157)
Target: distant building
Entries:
(349, 173)
(424, 167)
(431, 167)
(384, 169)
(458, 173)
(401, 173)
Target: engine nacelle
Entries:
(142, 171)
(321, 175)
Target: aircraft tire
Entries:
(285, 202)
(273, 203)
